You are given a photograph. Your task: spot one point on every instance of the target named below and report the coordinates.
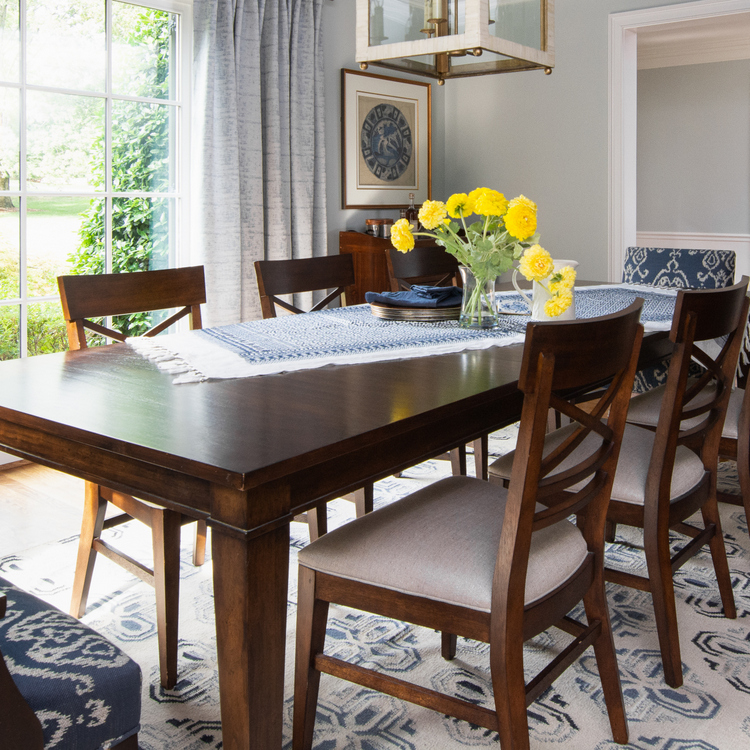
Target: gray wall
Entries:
(338, 40)
(694, 148)
(543, 136)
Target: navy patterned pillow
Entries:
(85, 691)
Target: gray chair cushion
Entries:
(632, 467)
(441, 543)
(644, 409)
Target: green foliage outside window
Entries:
(140, 226)
(140, 162)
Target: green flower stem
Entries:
(473, 307)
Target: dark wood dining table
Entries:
(248, 455)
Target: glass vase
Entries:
(478, 307)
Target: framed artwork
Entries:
(386, 141)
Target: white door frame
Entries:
(623, 106)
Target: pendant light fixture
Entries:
(456, 38)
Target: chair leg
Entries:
(364, 499)
(661, 586)
(317, 521)
(595, 603)
(710, 513)
(448, 644)
(509, 688)
(458, 461)
(312, 616)
(166, 540)
(481, 450)
(743, 471)
(94, 509)
(199, 548)
(610, 531)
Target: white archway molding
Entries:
(623, 106)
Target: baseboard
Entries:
(14, 463)
(740, 243)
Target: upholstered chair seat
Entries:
(441, 543)
(632, 469)
(644, 410)
(85, 691)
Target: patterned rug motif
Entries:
(708, 713)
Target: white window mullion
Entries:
(23, 318)
(108, 149)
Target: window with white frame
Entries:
(94, 120)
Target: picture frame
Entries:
(386, 140)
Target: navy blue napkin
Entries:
(419, 296)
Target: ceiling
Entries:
(703, 40)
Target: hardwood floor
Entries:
(37, 505)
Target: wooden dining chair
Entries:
(287, 277)
(668, 465)
(528, 564)
(734, 444)
(422, 265)
(433, 266)
(86, 300)
(675, 268)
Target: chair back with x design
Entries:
(281, 277)
(86, 298)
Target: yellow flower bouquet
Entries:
(504, 233)
(537, 266)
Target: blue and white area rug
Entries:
(710, 712)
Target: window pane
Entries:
(88, 255)
(10, 142)
(10, 347)
(66, 44)
(516, 21)
(65, 142)
(141, 147)
(45, 330)
(9, 40)
(141, 234)
(10, 264)
(142, 57)
(52, 237)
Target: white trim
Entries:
(623, 71)
(739, 243)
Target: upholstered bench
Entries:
(84, 692)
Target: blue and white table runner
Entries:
(353, 335)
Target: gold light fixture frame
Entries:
(475, 40)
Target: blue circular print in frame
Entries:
(386, 142)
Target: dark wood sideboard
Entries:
(370, 269)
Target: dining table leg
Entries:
(250, 600)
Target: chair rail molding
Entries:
(623, 89)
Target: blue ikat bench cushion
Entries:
(85, 691)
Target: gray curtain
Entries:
(258, 167)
